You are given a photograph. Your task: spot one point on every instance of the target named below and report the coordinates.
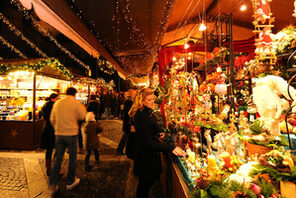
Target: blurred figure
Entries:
(108, 104)
(93, 105)
(121, 101)
(126, 128)
(115, 104)
(64, 117)
(90, 129)
(47, 136)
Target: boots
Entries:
(48, 167)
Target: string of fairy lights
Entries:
(44, 32)
(104, 65)
(18, 33)
(12, 48)
(135, 36)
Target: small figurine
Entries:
(263, 10)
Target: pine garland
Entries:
(276, 175)
(5, 68)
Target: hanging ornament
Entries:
(294, 14)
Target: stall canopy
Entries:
(50, 67)
(129, 33)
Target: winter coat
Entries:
(90, 130)
(126, 127)
(147, 146)
(47, 135)
(108, 100)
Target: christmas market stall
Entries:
(234, 117)
(24, 85)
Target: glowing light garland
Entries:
(104, 63)
(110, 69)
(46, 33)
(35, 66)
(122, 10)
(19, 34)
(12, 48)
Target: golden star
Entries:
(13, 133)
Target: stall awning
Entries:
(50, 67)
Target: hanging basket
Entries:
(254, 149)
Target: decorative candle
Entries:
(212, 163)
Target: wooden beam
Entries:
(196, 19)
(211, 6)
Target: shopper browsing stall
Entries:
(148, 145)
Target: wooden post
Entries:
(34, 108)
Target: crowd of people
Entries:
(69, 123)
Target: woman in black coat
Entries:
(47, 136)
(148, 143)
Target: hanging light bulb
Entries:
(174, 59)
(186, 46)
(243, 7)
(202, 27)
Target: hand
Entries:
(178, 152)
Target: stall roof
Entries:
(50, 67)
(130, 33)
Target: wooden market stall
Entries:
(23, 86)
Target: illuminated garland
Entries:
(12, 48)
(19, 34)
(109, 67)
(35, 66)
(46, 33)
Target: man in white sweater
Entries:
(64, 118)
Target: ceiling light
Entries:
(186, 46)
(174, 59)
(202, 27)
(243, 7)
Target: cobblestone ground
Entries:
(22, 173)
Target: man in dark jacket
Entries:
(131, 94)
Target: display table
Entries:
(173, 183)
(20, 134)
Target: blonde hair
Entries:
(138, 104)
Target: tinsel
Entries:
(20, 34)
(46, 33)
(12, 48)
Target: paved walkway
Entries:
(22, 173)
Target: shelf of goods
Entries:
(22, 95)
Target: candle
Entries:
(227, 159)
(212, 163)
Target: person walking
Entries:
(64, 117)
(126, 128)
(90, 130)
(148, 144)
(47, 135)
